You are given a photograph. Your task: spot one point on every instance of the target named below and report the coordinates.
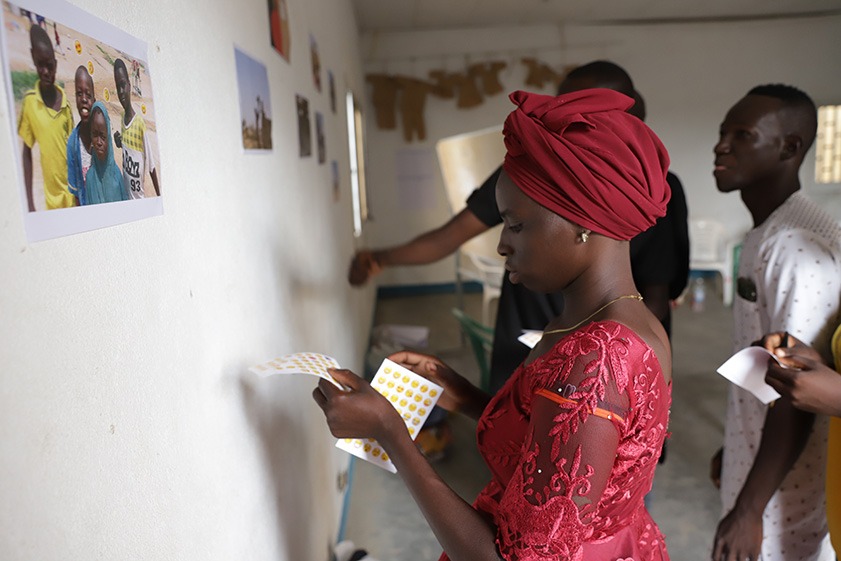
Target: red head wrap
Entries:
(581, 156)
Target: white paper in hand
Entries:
(747, 370)
(314, 364)
(530, 337)
(412, 395)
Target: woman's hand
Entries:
(359, 411)
(458, 392)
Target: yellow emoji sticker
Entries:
(78, 48)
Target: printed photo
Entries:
(331, 86)
(319, 137)
(334, 169)
(279, 27)
(255, 106)
(316, 63)
(85, 126)
(304, 131)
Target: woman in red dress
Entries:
(573, 438)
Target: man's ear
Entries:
(792, 144)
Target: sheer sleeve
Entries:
(579, 408)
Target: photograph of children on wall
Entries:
(84, 119)
(331, 86)
(279, 27)
(316, 63)
(320, 141)
(255, 106)
(304, 130)
(334, 174)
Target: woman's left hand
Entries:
(359, 411)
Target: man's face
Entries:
(44, 59)
(749, 144)
(123, 93)
(84, 95)
(99, 135)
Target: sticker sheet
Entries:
(412, 395)
(314, 364)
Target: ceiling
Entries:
(417, 15)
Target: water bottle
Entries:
(698, 294)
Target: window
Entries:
(356, 151)
(828, 145)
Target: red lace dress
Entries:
(572, 441)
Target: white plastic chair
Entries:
(478, 260)
(466, 160)
(711, 250)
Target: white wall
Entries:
(129, 428)
(690, 75)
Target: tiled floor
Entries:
(383, 519)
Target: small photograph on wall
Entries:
(279, 27)
(319, 137)
(316, 63)
(304, 132)
(85, 133)
(331, 87)
(334, 170)
(255, 107)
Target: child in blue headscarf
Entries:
(104, 180)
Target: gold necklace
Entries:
(637, 297)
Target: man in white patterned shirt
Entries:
(773, 463)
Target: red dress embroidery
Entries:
(572, 441)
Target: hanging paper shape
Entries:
(468, 94)
(443, 85)
(384, 99)
(539, 73)
(488, 75)
(412, 101)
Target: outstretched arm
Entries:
(425, 248)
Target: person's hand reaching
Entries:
(363, 266)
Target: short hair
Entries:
(798, 104)
(605, 74)
(120, 64)
(38, 36)
(82, 69)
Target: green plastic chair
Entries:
(481, 340)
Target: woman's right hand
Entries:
(459, 394)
